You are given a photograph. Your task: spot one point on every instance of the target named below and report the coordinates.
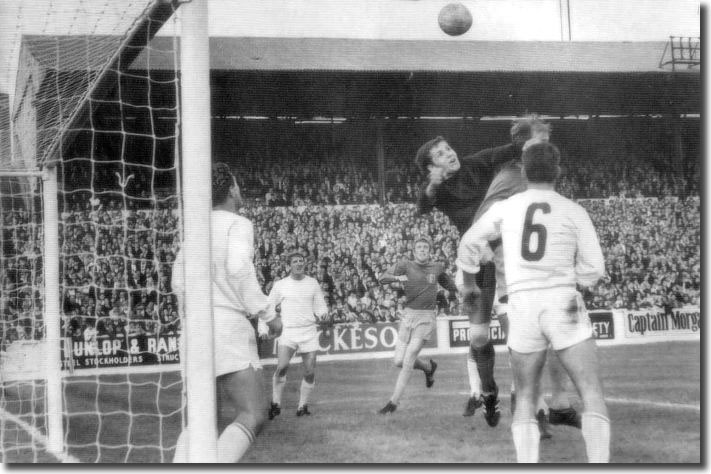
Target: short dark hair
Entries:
(293, 255)
(423, 157)
(541, 161)
(222, 181)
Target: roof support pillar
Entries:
(380, 154)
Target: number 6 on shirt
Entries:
(529, 228)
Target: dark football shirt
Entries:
(460, 196)
(421, 285)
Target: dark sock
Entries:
(485, 358)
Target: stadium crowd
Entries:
(116, 261)
(332, 181)
(341, 183)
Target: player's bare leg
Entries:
(284, 355)
(527, 370)
(478, 307)
(429, 367)
(561, 412)
(244, 392)
(405, 358)
(307, 383)
(541, 405)
(240, 415)
(580, 361)
(399, 356)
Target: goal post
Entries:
(52, 350)
(111, 177)
(38, 358)
(197, 196)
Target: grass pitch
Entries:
(653, 394)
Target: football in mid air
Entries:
(455, 19)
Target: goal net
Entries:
(95, 112)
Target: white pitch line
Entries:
(37, 436)
(651, 403)
(631, 401)
(613, 400)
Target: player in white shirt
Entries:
(549, 246)
(302, 307)
(236, 298)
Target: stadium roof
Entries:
(284, 54)
(338, 54)
(309, 77)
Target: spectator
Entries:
(116, 258)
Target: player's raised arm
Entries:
(473, 243)
(589, 261)
(394, 273)
(483, 160)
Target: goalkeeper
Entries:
(303, 308)
(419, 278)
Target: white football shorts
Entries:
(235, 342)
(302, 339)
(542, 316)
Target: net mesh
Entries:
(89, 101)
(22, 326)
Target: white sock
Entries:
(181, 448)
(233, 443)
(513, 384)
(541, 404)
(278, 384)
(596, 433)
(474, 380)
(305, 393)
(526, 439)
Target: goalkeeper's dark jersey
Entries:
(462, 195)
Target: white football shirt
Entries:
(300, 301)
(548, 241)
(234, 280)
